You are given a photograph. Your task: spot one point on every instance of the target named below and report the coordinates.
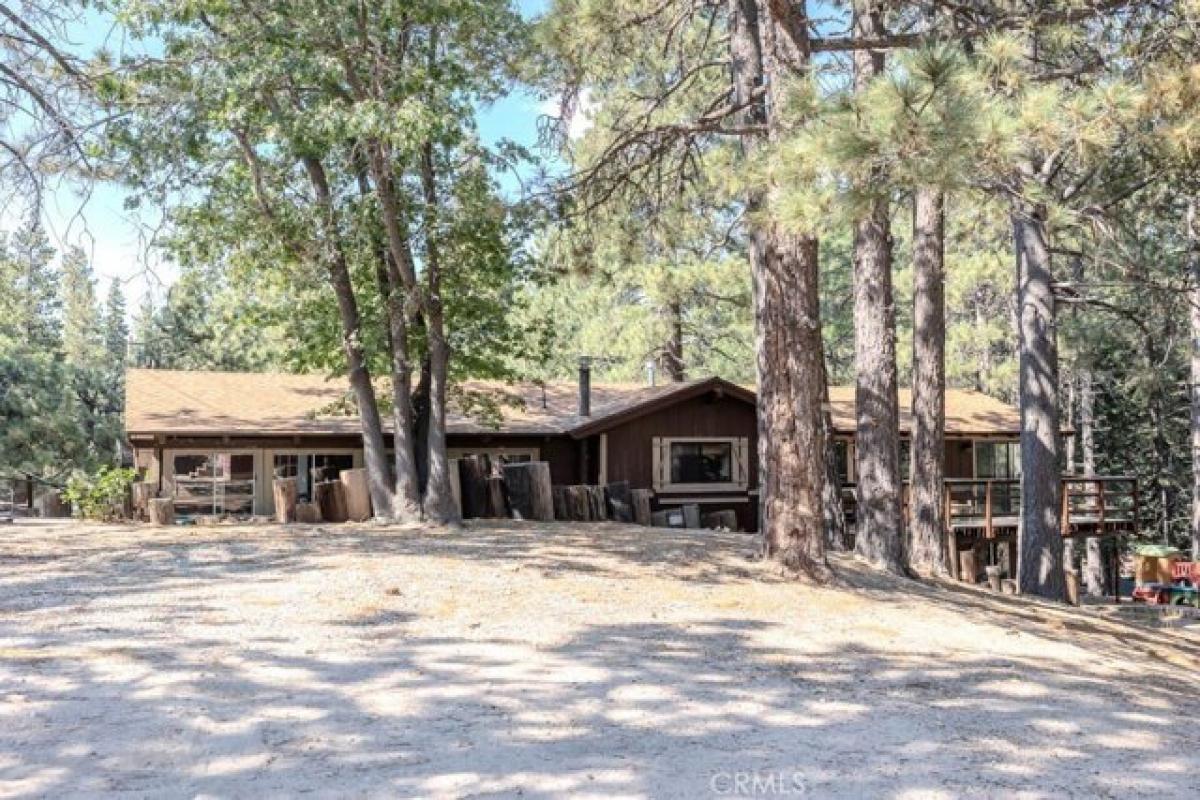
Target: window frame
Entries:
(739, 466)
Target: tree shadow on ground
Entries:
(373, 703)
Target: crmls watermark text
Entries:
(757, 783)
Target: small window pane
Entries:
(701, 462)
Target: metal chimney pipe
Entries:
(585, 386)
(651, 372)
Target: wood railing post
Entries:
(1100, 498)
(1066, 505)
(989, 531)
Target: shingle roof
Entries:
(198, 403)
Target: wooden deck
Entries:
(983, 516)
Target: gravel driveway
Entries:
(551, 661)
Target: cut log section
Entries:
(308, 513)
(285, 493)
(161, 510)
(142, 493)
(473, 473)
(330, 497)
(357, 494)
(530, 495)
(620, 501)
(641, 505)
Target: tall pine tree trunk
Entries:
(672, 358)
(877, 442)
(1040, 564)
(1095, 576)
(927, 548)
(1193, 238)
(788, 354)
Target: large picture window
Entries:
(701, 464)
(311, 468)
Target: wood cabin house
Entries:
(215, 440)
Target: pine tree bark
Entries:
(877, 453)
(927, 546)
(672, 358)
(1040, 561)
(1095, 576)
(1192, 221)
(789, 361)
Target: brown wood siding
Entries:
(630, 445)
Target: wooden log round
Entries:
(691, 515)
(620, 501)
(308, 513)
(285, 493)
(641, 505)
(161, 510)
(331, 499)
(530, 495)
(473, 473)
(357, 494)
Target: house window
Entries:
(997, 459)
(310, 468)
(701, 464)
(213, 483)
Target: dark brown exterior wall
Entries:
(630, 447)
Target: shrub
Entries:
(100, 496)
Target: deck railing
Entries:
(1091, 505)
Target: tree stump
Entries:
(330, 497)
(641, 506)
(530, 495)
(161, 510)
(620, 501)
(691, 515)
(497, 502)
(357, 494)
(284, 493)
(308, 513)
(473, 473)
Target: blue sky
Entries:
(117, 239)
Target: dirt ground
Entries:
(551, 661)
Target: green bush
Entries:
(100, 496)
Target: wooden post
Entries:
(530, 495)
(331, 499)
(161, 510)
(968, 569)
(578, 507)
(989, 530)
(455, 485)
(357, 493)
(473, 474)
(641, 506)
(620, 501)
(285, 494)
(1100, 498)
